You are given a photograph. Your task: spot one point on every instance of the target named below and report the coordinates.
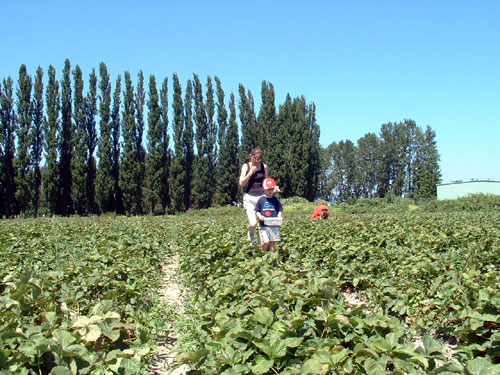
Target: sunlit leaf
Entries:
(261, 365)
(60, 370)
(481, 366)
(312, 366)
(431, 345)
(63, 338)
(293, 342)
(264, 315)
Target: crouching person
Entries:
(320, 212)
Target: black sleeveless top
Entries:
(254, 185)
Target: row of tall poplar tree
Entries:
(66, 148)
(401, 161)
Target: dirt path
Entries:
(171, 294)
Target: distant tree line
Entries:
(402, 161)
(71, 145)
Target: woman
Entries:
(253, 174)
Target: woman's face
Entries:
(256, 157)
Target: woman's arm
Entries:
(246, 173)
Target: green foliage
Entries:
(154, 167)
(132, 166)
(36, 140)
(79, 159)
(471, 203)
(250, 137)
(7, 149)
(363, 293)
(105, 192)
(266, 123)
(140, 99)
(188, 154)
(190, 175)
(66, 143)
(80, 295)
(367, 159)
(418, 275)
(343, 177)
(403, 161)
(227, 166)
(91, 143)
(312, 154)
(51, 179)
(393, 204)
(281, 170)
(204, 164)
(166, 155)
(295, 154)
(427, 174)
(212, 127)
(24, 126)
(178, 173)
(117, 198)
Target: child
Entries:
(268, 206)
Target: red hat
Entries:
(269, 183)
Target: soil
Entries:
(163, 363)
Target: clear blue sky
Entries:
(363, 63)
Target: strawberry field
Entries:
(411, 292)
(79, 296)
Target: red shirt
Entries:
(319, 210)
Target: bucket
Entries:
(273, 221)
